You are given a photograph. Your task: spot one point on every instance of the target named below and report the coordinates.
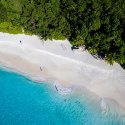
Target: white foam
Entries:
(61, 89)
(104, 106)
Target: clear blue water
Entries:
(24, 102)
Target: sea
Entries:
(25, 102)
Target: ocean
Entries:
(24, 102)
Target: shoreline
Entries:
(105, 105)
(54, 60)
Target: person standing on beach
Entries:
(40, 68)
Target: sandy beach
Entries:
(55, 61)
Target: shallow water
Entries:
(24, 102)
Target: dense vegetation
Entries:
(97, 24)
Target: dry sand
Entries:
(54, 60)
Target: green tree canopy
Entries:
(97, 24)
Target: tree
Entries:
(97, 24)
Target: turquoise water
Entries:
(24, 102)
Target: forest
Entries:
(99, 25)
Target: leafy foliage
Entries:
(97, 24)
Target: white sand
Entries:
(59, 62)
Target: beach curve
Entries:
(66, 66)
